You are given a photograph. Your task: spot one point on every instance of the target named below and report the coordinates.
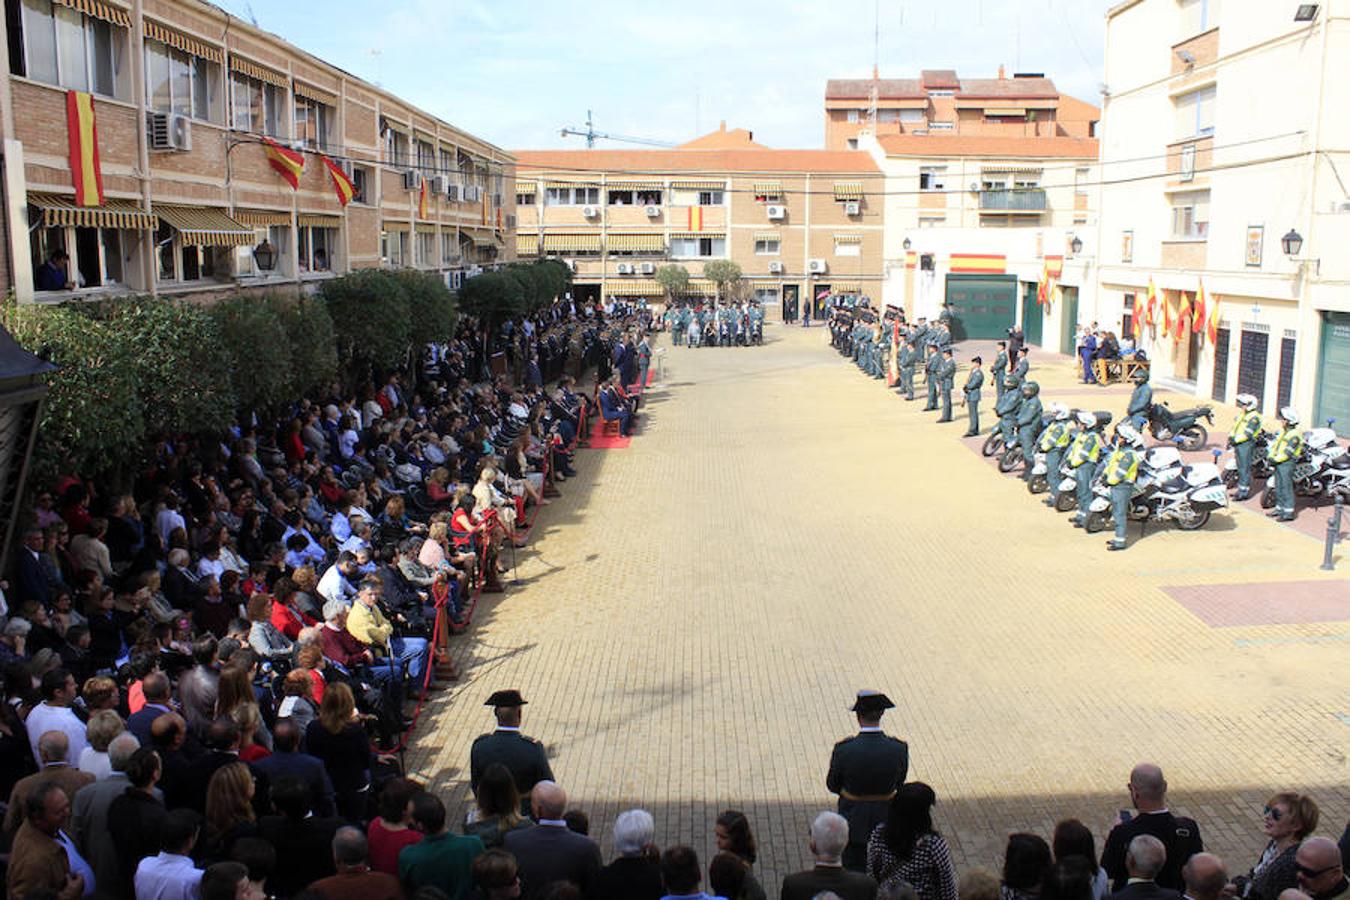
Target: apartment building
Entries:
(1224, 158)
(176, 99)
(800, 223)
(939, 102)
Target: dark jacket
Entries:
(848, 885)
(306, 847)
(550, 853)
(310, 770)
(1145, 890)
(629, 878)
(1179, 835)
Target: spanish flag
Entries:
(1214, 323)
(84, 165)
(342, 185)
(288, 163)
(1183, 317)
(1137, 319)
(1198, 319)
(1166, 315)
(695, 218)
(1043, 285)
(1152, 301)
(422, 201)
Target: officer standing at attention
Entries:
(970, 398)
(909, 358)
(1141, 399)
(946, 380)
(1006, 409)
(998, 368)
(1054, 442)
(1083, 454)
(865, 771)
(524, 756)
(1122, 468)
(931, 377)
(1029, 426)
(1243, 439)
(1284, 452)
(1022, 367)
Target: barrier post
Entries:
(1333, 534)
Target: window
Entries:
(178, 82)
(65, 47)
(318, 247)
(767, 247)
(888, 115)
(1195, 113)
(766, 296)
(279, 236)
(449, 249)
(941, 126)
(698, 247)
(847, 247)
(446, 159)
(853, 117)
(619, 198)
(943, 92)
(932, 178)
(314, 122)
(912, 115)
(525, 199)
(257, 106)
(394, 248)
(426, 158)
(395, 148)
(1190, 215)
(932, 221)
(1127, 318)
(1196, 16)
(566, 196)
(852, 143)
(179, 262)
(361, 184)
(648, 198)
(426, 250)
(709, 198)
(96, 254)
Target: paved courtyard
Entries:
(699, 608)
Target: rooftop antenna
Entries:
(876, 57)
(248, 8)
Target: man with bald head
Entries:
(551, 852)
(1205, 877)
(1179, 835)
(53, 750)
(1321, 871)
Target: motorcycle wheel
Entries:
(991, 444)
(1009, 460)
(1268, 498)
(1066, 501)
(1038, 484)
(1095, 522)
(1193, 438)
(1195, 521)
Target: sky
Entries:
(514, 72)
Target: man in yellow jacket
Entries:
(368, 625)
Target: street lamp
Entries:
(1291, 243)
(265, 255)
(907, 244)
(1076, 245)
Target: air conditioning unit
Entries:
(647, 268)
(166, 131)
(653, 210)
(412, 180)
(472, 193)
(625, 268)
(511, 221)
(776, 212)
(590, 212)
(817, 267)
(571, 264)
(439, 184)
(853, 208)
(452, 191)
(775, 268)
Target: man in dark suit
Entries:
(286, 761)
(30, 577)
(1144, 859)
(829, 837)
(865, 771)
(303, 841)
(551, 852)
(158, 699)
(524, 756)
(222, 741)
(1180, 836)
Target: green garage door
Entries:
(1333, 373)
(981, 305)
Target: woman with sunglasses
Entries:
(1288, 819)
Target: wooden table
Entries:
(1109, 371)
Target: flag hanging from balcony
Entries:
(1166, 315)
(342, 185)
(1214, 323)
(288, 163)
(1183, 317)
(422, 201)
(893, 369)
(1152, 302)
(1043, 285)
(695, 218)
(84, 164)
(1137, 318)
(1198, 318)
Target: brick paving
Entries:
(698, 609)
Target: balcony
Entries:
(1017, 200)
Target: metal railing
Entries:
(1014, 200)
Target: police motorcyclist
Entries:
(1122, 469)
(1029, 426)
(1083, 455)
(1243, 438)
(1054, 441)
(1141, 399)
(1006, 409)
(1284, 452)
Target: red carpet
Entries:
(633, 387)
(608, 441)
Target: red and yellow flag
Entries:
(1198, 319)
(695, 218)
(84, 165)
(1214, 323)
(288, 163)
(1137, 319)
(342, 185)
(1043, 285)
(422, 201)
(1152, 302)
(1183, 317)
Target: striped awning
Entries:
(527, 245)
(318, 220)
(768, 188)
(1011, 170)
(1005, 111)
(573, 243)
(640, 288)
(698, 234)
(703, 185)
(570, 184)
(634, 185)
(261, 217)
(848, 190)
(635, 243)
(767, 236)
(179, 41)
(848, 238)
(108, 12)
(484, 238)
(426, 227)
(60, 212)
(318, 95)
(260, 72)
(206, 226)
(845, 287)
(388, 225)
(701, 286)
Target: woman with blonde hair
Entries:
(337, 738)
(489, 498)
(103, 726)
(229, 810)
(264, 638)
(1287, 819)
(249, 719)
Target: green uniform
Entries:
(523, 756)
(908, 361)
(930, 373)
(1141, 399)
(865, 771)
(1028, 427)
(946, 379)
(1122, 468)
(1083, 454)
(996, 372)
(971, 389)
(1243, 435)
(1053, 443)
(1283, 454)
(1006, 409)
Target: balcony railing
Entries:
(1031, 200)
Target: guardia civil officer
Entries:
(946, 380)
(1006, 409)
(998, 368)
(865, 771)
(970, 395)
(523, 756)
(1053, 443)
(1029, 425)
(1022, 366)
(1243, 438)
(1141, 399)
(1122, 469)
(931, 377)
(1284, 452)
(1084, 453)
(909, 358)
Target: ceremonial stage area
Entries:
(783, 531)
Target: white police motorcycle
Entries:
(1322, 470)
(1165, 490)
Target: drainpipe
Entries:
(149, 266)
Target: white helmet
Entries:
(1059, 411)
(1086, 419)
(1245, 401)
(1129, 433)
(1289, 414)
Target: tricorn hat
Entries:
(506, 698)
(871, 702)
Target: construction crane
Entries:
(590, 134)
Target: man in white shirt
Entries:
(340, 526)
(335, 583)
(171, 875)
(168, 519)
(54, 714)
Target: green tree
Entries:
(311, 343)
(431, 306)
(674, 280)
(724, 273)
(492, 298)
(254, 336)
(372, 323)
